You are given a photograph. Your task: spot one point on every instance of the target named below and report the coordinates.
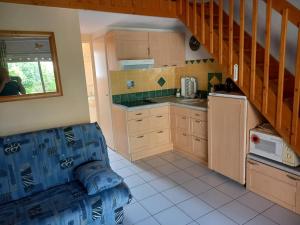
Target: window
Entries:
(36, 76)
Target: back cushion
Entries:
(33, 162)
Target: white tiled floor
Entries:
(169, 189)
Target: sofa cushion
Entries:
(36, 161)
(67, 205)
(97, 178)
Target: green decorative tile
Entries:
(151, 94)
(139, 96)
(145, 95)
(116, 99)
(124, 98)
(158, 93)
(161, 81)
(165, 92)
(132, 97)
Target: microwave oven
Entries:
(267, 143)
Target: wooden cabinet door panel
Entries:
(227, 137)
(182, 141)
(182, 122)
(263, 180)
(200, 148)
(133, 49)
(199, 128)
(159, 48)
(160, 137)
(138, 125)
(160, 122)
(139, 142)
(176, 49)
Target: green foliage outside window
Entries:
(31, 77)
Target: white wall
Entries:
(72, 107)
(201, 53)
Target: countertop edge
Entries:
(156, 105)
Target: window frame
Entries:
(51, 37)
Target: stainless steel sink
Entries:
(191, 101)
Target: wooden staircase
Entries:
(268, 85)
(273, 90)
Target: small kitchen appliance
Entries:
(189, 87)
(265, 142)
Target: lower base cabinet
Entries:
(276, 185)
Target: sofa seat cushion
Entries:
(96, 178)
(67, 204)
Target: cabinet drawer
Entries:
(199, 115)
(137, 114)
(199, 128)
(182, 122)
(272, 183)
(182, 141)
(138, 125)
(160, 137)
(200, 149)
(159, 111)
(160, 122)
(139, 142)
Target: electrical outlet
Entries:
(130, 84)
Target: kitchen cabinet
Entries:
(276, 185)
(166, 48)
(142, 133)
(189, 128)
(229, 122)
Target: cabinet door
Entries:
(199, 128)
(160, 137)
(176, 49)
(274, 184)
(227, 136)
(139, 142)
(132, 45)
(182, 141)
(182, 122)
(159, 48)
(138, 125)
(200, 149)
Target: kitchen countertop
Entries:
(197, 104)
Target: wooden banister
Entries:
(267, 56)
(187, 12)
(230, 55)
(202, 22)
(211, 26)
(284, 23)
(220, 31)
(294, 137)
(253, 52)
(242, 43)
(195, 16)
(294, 13)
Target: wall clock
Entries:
(194, 43)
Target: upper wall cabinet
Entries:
(166, 48)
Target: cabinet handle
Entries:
(139, 120)
(140, 136)
(160, 132)
(159, 116)
(138, 114)
(197, 139)
(197, 114)
(292, 178)
(184, 134)
(184, 117)
(165, 65)
(197, 121)
(253, 163)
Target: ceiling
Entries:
(98, 23)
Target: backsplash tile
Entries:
(161, 81)
(117, 99)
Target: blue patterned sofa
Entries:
(38, 185)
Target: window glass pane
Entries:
(29, 74)
(48, 76)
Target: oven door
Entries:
(266, 145)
